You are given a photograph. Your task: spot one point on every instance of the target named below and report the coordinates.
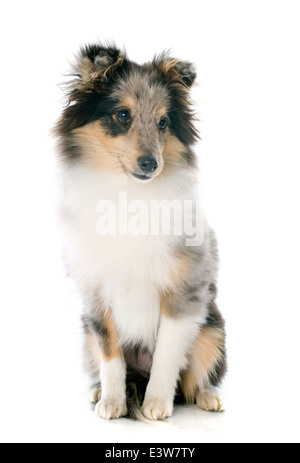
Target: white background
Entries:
(248, 101)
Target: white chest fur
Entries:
(129, 272)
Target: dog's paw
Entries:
(156, 409)
(210, 401)
(95, 395)
(111, 409)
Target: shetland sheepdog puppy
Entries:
(153, 332)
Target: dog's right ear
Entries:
(95, 64)
(94, 67)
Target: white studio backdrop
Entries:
(248, 100)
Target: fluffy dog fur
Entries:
(153, 331)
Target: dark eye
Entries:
(124, 116)
(162, 124)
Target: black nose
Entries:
(148, 164)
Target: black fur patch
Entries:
(214, 318)
(99, 55)
(182, 124)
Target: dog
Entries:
(153, 334)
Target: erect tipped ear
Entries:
(180, 71)
(187, 72)
(96, 63)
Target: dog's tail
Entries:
(136, 385)
(136, 390)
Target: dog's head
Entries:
(126, 117)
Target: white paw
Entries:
(210, 401)
(155, 409)
(111, 409)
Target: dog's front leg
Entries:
(113, 390)
(175, 338)
(112, 403)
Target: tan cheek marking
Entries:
(99, 150)
(114, 153)
(174, 149)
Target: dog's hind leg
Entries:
(209, 400)
(207, 366)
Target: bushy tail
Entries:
(136, 388)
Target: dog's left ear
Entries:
(183, 72)
(187, 72)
